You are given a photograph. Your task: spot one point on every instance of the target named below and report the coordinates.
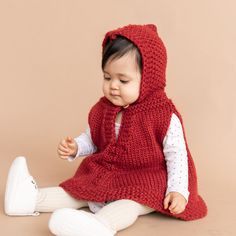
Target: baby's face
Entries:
(122, 80)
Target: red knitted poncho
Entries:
(133, 166)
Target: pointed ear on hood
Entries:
(152, 27)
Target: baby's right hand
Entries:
(67, 147)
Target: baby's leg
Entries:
(121, 214)
(22, 196)
(50, 199)
(111, 218)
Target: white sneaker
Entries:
(71, 222)
(21, 190)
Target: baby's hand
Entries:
(175, 202)
(67, 147)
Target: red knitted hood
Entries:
(153, 53)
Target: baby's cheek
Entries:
(104, 89)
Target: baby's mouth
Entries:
(114, 95)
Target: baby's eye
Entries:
(107, 78)
(124, 81)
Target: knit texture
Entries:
(133, 166)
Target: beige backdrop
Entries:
(50, 56)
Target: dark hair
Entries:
(119, 47)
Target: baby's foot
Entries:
(21, 190)
(71, 222)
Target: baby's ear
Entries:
(152, 27)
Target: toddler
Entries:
(138, 159)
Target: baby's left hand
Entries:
(175, 202)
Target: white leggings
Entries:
(118, 214)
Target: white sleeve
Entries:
(175, 153)
(85, 145)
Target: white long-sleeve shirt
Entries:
(174, 150)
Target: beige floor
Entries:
(50, 54)
(219, 222)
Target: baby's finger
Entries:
(166, 201)
(64, 143)
(173, 205)
(175, 210)
(63, 149)
(71, 146)
(69, 139)
(178, 209)
(61, 153)
(63, 157)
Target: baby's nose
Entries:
(114, 84)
